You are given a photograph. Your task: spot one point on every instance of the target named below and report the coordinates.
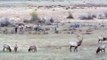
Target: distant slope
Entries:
(14, 3)
(73, 1)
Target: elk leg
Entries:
(70, 48)
(15, 49)
(29, 50)
(98, 50)
(104, 50)
(75, 49)
(101, 51)
(3, 49)
(35, 50)
(99, 41)
(9, 49)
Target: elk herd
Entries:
(6, 47)
(33, 48)
(101, 48)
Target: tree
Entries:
(70, 16)
(34, 17)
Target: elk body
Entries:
(101, 49)
(101, 39)
(6, 48)
(75, 45)
(32, 49)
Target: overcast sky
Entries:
(72, 1)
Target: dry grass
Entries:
(51, 47)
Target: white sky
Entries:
(72, 1)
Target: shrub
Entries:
(70, 16)
(101, 15)
(4, 22)
(86, 17)
(52, 20)
(34, 17)
(105, 14)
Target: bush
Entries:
(34, 17)
(52, 20)
(86, 17)
(105, 14)
(101, 16)
(94, 16)
(49, 21)
(4, 22)
(70, 16)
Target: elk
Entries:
(101, 48)
(102, 39)
(15, 48)
(32, 49)
(75, 45)
(6, 48)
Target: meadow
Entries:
(51, 47)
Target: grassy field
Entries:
(51, 47)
